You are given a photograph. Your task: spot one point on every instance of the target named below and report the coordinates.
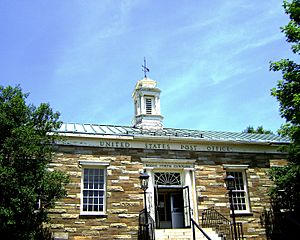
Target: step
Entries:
(184, 234)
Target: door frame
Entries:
(186, 209)
(187, 169)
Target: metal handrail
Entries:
(199, 228)
(213, 219)
(146, 230)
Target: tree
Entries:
(259, 130)
(286, 192)
(287, 180)
(27, 187)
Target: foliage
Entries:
(259, 130)
(286, 192)
(26, 147)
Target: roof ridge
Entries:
(111, 129)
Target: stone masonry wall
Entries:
(212, 193)
(125, 198)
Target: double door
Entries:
(172, 207)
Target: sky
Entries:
(210, 58)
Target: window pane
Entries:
(97, 179)
(239, 194)
(93, 189)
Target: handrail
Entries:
(146, 230)
(213, 219)
(201, 230)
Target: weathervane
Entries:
(145, 69)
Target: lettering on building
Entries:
(165, 146)
(111, 144)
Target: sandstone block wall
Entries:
(125, 198)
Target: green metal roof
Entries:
(95, 129)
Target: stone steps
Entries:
(184, 234)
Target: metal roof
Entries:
(100, 130)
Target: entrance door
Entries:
(186, 206)
(169, 208)
(177, 210)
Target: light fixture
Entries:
(230, 182)
(144, 178)
(230, 185)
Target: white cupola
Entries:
(146, 98)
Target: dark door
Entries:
(169, 208)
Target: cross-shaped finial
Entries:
(145, 69)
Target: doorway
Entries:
(172, 207)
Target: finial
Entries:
(145, 69)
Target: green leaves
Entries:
(288, 90)
(286, 191)
(292, 29)
(26, 148)
(259, 130)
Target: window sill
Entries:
(92, 216)
(241, 214)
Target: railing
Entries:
(194, 224)
(224, 227)
(146, 226)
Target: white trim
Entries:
(170, 164)
(93, 163)
(235, 167)
(173, 160)
(166, 143)
(194, 197)
(183, 166)
(242, 169)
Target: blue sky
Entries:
(210, 58)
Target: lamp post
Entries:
(230, 185)
(144, 178)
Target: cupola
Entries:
(146, 98)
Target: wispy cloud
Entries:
(85, 57)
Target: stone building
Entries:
(186, 168)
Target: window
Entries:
(167, 178)
(240, 193)
(148, 105)
(93, 190)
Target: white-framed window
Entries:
(240, 194)
(149, 105)
(167, 178)
(93, 188)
